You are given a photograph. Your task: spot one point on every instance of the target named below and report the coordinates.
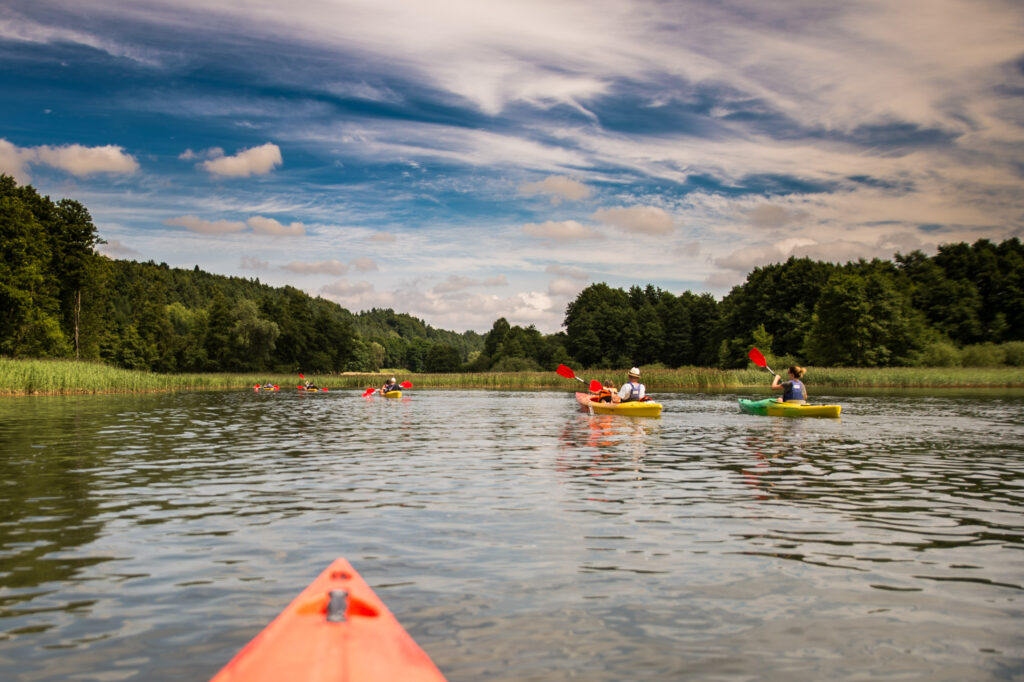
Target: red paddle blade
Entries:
(565, 372)
(757, 358)
(301, 375)
(369, 391)
(406, 384)
(595, 386)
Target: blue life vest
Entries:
(793, 390)
(634, 392)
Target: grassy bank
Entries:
(67, 377)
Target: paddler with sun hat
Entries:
(633, 390)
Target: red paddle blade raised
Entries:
(757, 358)
(565, 372)
(595, 386)
(301, 375)
(406, 384)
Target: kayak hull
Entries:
(393, 394)
(632, 409)
(770, 407)
(336, 629)
(311, 390)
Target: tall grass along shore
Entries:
(68, 377)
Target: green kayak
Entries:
(773, 408)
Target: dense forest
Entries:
(59, 298)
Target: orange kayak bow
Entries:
(337, 629)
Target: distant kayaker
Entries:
(389, 385)
(632, 390)
(794, 389)
(310, 386)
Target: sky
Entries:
(461, 160)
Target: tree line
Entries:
(59, 298)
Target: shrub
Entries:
(1014, 351)
(940, 354)
(983, 355)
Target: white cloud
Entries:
(636, 219)
(324, 267)
(196, 224)
(76, 159)
(774, 217)
(566, 271)
(560, 231)
(14, 161)
(255, 161)
(261, 225)
(458, 282)
(383, 237)
(568, 288)
(253, 263)
(115, 249)
(364, 264)
(557, 187)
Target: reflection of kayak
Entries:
(772, 408)
(633, 409)
(336, 629)
(393, 394)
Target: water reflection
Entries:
(148, 537)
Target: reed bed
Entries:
(66, 377)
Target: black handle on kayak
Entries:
(337, 605)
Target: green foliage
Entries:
(983, 355)
(940, 354)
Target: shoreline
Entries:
(27, 378)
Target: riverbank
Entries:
(68, 377)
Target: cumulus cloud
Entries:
(774, 217)
(14, 161)
(568, 288)
(76, 159)
(195, 224)
(636, 219)
(253, 263)
(323, 267)
(261, 225)
(566, 271)
(560, 231)
(558, 187)
(255, 161)
(364, 264)
(115, 249)
(458, 282)
(689, 250)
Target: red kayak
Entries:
(338, 630)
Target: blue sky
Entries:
(465, 160)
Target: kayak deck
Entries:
(336, 629)
(632, 409)
(393, 394)
(773, 408)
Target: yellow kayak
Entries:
(632, 409)
(393, 394)
(772, 408)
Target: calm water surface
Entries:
(516, 538)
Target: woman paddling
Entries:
(794, 389)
